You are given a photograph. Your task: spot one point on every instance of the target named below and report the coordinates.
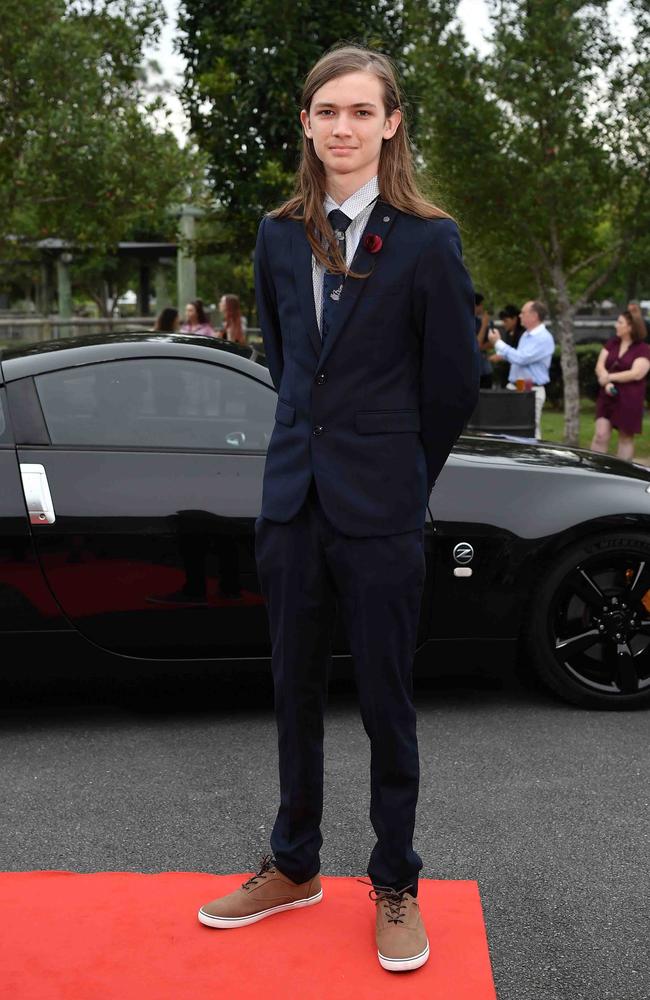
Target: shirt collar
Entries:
(357, 201)
(537, 329)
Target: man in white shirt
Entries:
(531, 358)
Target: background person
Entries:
(483, 325)
(196, 320)
(233, 327)
(512, 325)
(635, 309)
(531, 359)
(167, 320)
(512, 332)
(622, 370)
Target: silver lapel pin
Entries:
(336, 293)
(387, 218)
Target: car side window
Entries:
(160, 402)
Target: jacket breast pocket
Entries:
(285, 413)
(387, 421)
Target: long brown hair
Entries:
(200, 311)
(232, 319)
(634, 317)
(396, 176)
(166, 320)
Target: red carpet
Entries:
(130, 936)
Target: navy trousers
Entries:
(306, 567)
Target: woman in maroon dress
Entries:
(622, 370)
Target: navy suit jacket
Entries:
(372, 413)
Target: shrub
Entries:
(587, 358)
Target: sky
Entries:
(473, 15)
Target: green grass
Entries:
(553, 429)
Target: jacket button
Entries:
(318, 430)
(321, 378)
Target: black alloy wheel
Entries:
(588, 629)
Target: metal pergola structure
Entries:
(57, 262)
(154, 258)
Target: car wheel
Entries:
(588, 628)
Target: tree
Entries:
(79, 157)
(542, 147)
(246, 61)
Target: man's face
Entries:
(347, 123)
(528, 316)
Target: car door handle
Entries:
(37, 494)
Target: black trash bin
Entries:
(504, 411)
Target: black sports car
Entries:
(131, 469)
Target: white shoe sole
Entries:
(404, 964)
(211, 921)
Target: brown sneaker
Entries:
(262, 895)
(402, 942)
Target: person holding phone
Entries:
(622, 371)
(530, 360)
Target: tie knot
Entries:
(339, 222)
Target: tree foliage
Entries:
(79, 157)
(246, 62)
(542, 147)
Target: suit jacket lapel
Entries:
(380, 221)
(302, 270)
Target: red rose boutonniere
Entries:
(372, 243)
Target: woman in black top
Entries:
(512, 328)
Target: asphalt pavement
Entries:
(545, 805)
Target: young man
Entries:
(376, 366)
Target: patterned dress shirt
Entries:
(358, 208)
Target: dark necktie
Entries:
(333, 283)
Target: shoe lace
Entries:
(267, 865)
(391, 899)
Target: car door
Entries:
(26, 604)
(144, 477)
(478, 555)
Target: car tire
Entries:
(587, 631)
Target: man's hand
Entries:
(493, 336)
